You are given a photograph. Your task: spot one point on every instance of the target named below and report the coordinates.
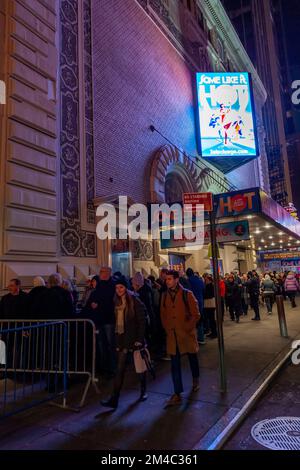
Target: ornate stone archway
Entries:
(196, 178)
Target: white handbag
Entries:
(139, 362)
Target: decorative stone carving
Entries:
(169, 158)
(74, 240)
(142, 250)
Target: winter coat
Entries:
(179, 321)
(37, 300)
(253, 287)
(103, 295)
(58, 304)
(14, 307)
(134, 324)
(145, 295)
(268, 286)
(233, 291)
(291, 283)
(197, 286)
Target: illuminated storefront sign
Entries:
(227, 130)
(230, 232)
(237, 203)
(280, 256)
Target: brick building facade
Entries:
(85, 79)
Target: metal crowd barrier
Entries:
(26, 372)
(44, 353)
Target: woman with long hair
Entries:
(129, 335)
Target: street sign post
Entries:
(214, 250)
(199, 198)
(207, 200)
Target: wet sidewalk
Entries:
(252, 350)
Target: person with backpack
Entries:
(179, 316)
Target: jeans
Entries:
(176, 369)
(292, 295)
(269, 299)
(106, 349)
(244, 306)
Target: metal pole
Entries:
(281, 316)
(214, 250)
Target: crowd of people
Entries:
(171, 315)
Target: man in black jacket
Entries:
(14, 304)
(100, 308)
(58, 302)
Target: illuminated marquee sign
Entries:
(237, 203)
(227, 130)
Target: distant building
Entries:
(255, 23)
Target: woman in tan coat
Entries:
(179, 316)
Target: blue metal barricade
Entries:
(33, 364)
(42, 352)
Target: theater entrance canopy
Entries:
(271, 226)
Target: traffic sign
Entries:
(199, 198)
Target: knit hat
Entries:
(38, 282)
(138, 279)
(122, 281)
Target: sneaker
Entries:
(201, 342)
(174, 400)
(111, 403)
(255, 319)
(143, 396)
(166, 358)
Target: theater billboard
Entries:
(226, 126)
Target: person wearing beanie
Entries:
(129, 335)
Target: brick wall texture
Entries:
(139, 80)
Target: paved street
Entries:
(252, 351)
(281, 400)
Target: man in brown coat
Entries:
(179, 316)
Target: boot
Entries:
(196, 385)
(112, 402)
(143, 394)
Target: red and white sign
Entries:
(199, 198)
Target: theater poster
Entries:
(226, 120)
